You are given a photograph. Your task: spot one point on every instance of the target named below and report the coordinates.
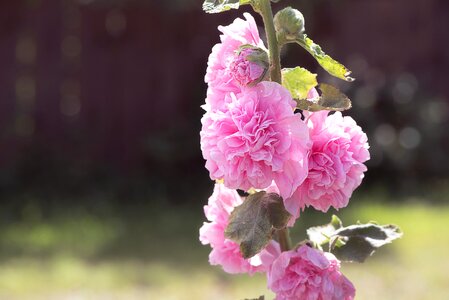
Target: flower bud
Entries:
(289, 24)
(249, 66)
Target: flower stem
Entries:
(264, 9)
(284, 239)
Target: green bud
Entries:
(289, 24)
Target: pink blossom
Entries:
(224, 251)
(246, 72)
(305, 273)
(257, 139)
(224, 61)
(336, 168)
(312, 94)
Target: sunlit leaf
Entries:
(332, 66)
(298, 81)
(253, 223)
(355, 243)
(330, 99)
(218, 6)
(320, 235)
(308, 104)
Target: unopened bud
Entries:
(249, 66)
(289, 24)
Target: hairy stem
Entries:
(264, 9)
(284, 239)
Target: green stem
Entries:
(284, 239)
(264, 8)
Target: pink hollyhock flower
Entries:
(227, 71)
(305, 273)
(312, 94)
(340, 148)
(244, 71)
(225, 252)
(257, 139)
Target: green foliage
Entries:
(331, 99)
(332, 66)
(253, 223)
(260, 298)
(320, 235)
(290, 28)
(357, 242)
(218, 6)
(353, 243)
(298, 81)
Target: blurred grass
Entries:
(152, 252)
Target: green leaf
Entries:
(331, 99)
(298, 81)
(218, 6)
(320, 235)
(253, 223)
(353, 243)
(332, 66)
(357, 242)
(308, 104)
(260, 298)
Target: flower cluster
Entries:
(250, 135)
(304, 273)
(227, 69)
(225, 252)
(251, 138)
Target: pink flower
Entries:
(225, 71)
(340, 148)
(313, 94)
(305, 273)
(244, 71)
(224, 251)
(257, 139)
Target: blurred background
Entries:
(102, 181)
